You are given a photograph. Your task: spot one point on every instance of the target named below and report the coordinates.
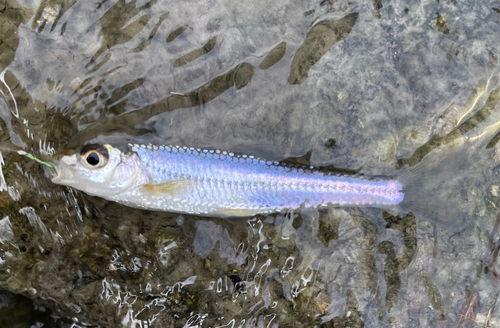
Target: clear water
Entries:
(362, 85)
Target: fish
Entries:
(213, 183)
(217, 183)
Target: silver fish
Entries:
(213, 183)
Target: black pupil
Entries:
(93, 159)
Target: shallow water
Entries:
(365, 86)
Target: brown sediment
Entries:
(114, 25)
(146, 43)
(434, 296)
(195, 54)
(367, 257)
(238, 77)
(175, 33)
(441, 24)
(273, 56)
(462, 129)
(393, 265)
(317, 43)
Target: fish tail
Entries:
(444, 187)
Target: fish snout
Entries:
(62, 177)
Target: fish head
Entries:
(98, 170)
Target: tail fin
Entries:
(449, 185)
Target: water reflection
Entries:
(354, 86)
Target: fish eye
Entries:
(94, 156)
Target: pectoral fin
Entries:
(170, 187)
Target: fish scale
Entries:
(221, 183)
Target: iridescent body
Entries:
(215, 183)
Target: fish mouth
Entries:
(50, 165)
(62, 177)
(61, 170)
(54, 167)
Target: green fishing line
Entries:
(20, 152)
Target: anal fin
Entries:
(237, 212)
